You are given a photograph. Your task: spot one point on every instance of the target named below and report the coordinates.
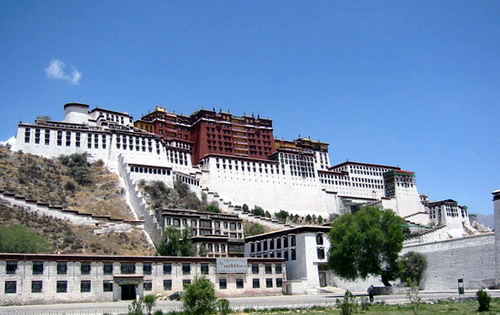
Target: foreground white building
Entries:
(43, 278)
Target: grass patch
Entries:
(441, 307)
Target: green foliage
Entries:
(176, 243)
(268, 214)
(412, 296)
(254, 229)
(213, 208)
(308, 218)
(348, 304)
(223, 306)
(79, 168)
(484, 299)
(149, 303)
(366, 243)
(160, 196)
(320, 220)
(244, 208)
(158, 312)
(21, 239)
(413, 265)
(136, 308)
(69, 186)
(202, 250)
(365, 304)
(282, 215)
(258, 211)
(199, 297)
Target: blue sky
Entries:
(408, 83)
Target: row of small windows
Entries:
(177, 157)
(186, 179)
(108, 268)
(61, 286)
(128, 142)
(149, 170)
(270, 244)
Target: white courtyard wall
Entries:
(470, 258)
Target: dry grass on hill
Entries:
(68, 238)
(48, 180)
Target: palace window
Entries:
(186, 269)
(108, 269)
(269, 282)
(85, 286)
(127, 268)
(36, 286)
(148, 285)
(11, 267)
(204, 269)
(222, 284)
(85, 269)
(37, 268)
(62, 268)
(10, 286)
(107, 286)
(62, 286)
(146, 269)
(255, 283)
(240, 284)
(167, 285)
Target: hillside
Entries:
(69, 238)
(48, 180)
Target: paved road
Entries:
(290, 301)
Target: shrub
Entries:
(223, 306)
(199, 297)
(149, 302)
(348, 305)
(484, 299)
(413, 266)
(136, 308)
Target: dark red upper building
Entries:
(211, 132)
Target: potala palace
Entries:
(236, 160)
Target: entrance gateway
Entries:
(128, 291)
(130, 286)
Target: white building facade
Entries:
(42, 279)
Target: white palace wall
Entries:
(470, 258)
(272, 192)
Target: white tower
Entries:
(76, 113)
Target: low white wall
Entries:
(470, 258)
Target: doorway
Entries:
(322, 279)
(128, 291)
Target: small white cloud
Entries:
(56, 70)
(11, 141)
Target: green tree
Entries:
(268, 214)
(199, 297)
(320, 220)
(79, 168)
(282, 215)
(413, 265)
(254, 229)
(258, 211)
(213, 208)
(21, 239)
(365, 243)
(176, 243)
(308, 218)
(149, 303)
(244, 208)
